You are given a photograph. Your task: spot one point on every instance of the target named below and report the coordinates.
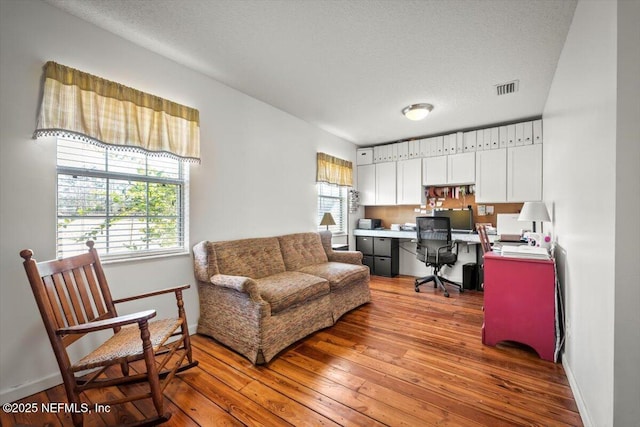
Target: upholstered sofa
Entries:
(258, 296)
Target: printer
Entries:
(369, 223)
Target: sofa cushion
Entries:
(290, 288)
(254, 258)
(301, 250)
(337, 273)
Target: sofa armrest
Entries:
(350, 257)
(241, 284)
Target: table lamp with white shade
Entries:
(534, 211)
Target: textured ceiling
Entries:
(349, 67)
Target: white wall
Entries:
(626, 390)
(585, 169)
(256, 178)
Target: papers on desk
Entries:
(523, 251)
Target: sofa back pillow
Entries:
(301, 250)
(254, 258)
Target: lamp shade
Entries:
(534, 211)
(327, 220)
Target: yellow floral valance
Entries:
(80, 105)
(334, 170)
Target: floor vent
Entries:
(507, 88)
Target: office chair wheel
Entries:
(446, 294)
(417, 288)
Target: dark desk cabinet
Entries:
(380, 254)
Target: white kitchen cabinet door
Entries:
(386, 183)
(461, 168)
(434, 170)
(524, 173)
(409, 176)
(367, 184)
(491, 176)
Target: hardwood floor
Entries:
(405, 359)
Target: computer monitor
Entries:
(461, 219)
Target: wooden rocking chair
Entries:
(74, 299)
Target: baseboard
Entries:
(577, 396)
(27, 389)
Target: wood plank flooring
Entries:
(405, 359)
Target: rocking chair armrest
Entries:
(152, 294)
(109, 323)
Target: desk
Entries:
(409, 265)
(519, 303)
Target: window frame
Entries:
(108, 252)
(342, 221)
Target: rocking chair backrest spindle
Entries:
(69, 292)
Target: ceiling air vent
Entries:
(507, 88)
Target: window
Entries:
(332, 199)
(131, 204)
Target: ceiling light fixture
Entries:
(417, 111)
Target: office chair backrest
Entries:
(433, 233)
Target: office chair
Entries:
(435, 249)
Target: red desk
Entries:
(519, 303)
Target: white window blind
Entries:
(332, 199)
(131, 204)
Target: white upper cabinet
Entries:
(385, 183)
(434, 170)
(461, 168)
(504, 162)
(491, 176)
(367, 184)
(377, 184)
(409, 182)
(524, 173)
